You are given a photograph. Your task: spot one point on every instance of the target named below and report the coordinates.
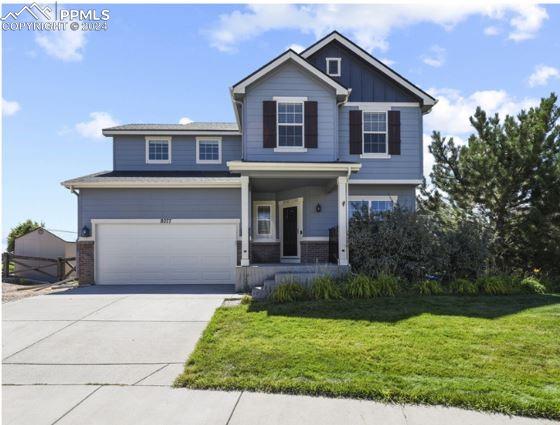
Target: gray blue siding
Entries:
(366, 82)
(406, 193)
(129, 154)
(157, 203)
(290, 80)
(407, 165)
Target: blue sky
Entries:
(158, 64)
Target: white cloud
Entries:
(185, 120)
(66, 45)
(492, 30)
(92, 129)
(436, 57)
(10, 107)
(298, 48)
(387, 61)
(450, 115)
(368, 25)
(542, 74)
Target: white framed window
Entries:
(375, 140)
(333, 67)
(290, 124)
(158, 150)
(370, 204)
(208, 150)
(264, 220)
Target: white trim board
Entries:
(315, 239)
(194, 182)
(291, 166)
(427, 99)
(393, 181)
(169, 133)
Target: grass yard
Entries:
(489, 353)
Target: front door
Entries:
(290, 232)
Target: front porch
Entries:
(288, 211)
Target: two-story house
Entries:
(317, 135)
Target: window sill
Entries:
(289, 149)
(204, 161)
(375, 156)
(158, 162)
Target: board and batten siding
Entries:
(407, 165)
(158, 203)
(289, 80)
(367, 83)
(129, 154)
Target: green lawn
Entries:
(489, 353)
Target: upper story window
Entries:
(333, 67)
(208, 150)
(375, 133)
(158, 150)
(290, 123)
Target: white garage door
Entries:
(179, 252)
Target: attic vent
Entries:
(333, 67)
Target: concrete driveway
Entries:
(108, 355)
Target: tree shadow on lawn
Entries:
(401, 308)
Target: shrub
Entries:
(288, 292)
(464, 287)
(429, 287)
(385, 285)
(325, 288)
(497, 285)
(246, 299)
(360, 286)
(531, 285)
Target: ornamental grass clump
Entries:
(531, 285)
(360, 286)
(325, 288)
(288, 292)
(429, 287)
(497, 285)
(385, 285)
(464, 287)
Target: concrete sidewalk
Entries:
(108, 355)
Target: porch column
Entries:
(244, 220)
(342, 220)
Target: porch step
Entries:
(300, 277)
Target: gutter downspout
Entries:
(338, 105)
(238, 119)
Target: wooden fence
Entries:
(58, 268)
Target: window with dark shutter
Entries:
(269, 124)
(394, 118)
(311, 136)
(355, 132)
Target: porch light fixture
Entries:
(85, 232)
(318, 208)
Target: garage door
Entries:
(171, 253)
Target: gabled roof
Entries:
(59, 234)
(240, 87)
(427, 100)
(199, 128)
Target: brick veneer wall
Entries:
(85, 262)
(265, 252)
(314, 251)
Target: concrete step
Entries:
(300, 277)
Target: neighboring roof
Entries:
(427, 99)
(59, 234)
(240, 87)
(153, 179)
(202, 128)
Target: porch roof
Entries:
(293, 169)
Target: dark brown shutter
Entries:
(394, 132)
(355, 132)
(269, 124)
(310, 123)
